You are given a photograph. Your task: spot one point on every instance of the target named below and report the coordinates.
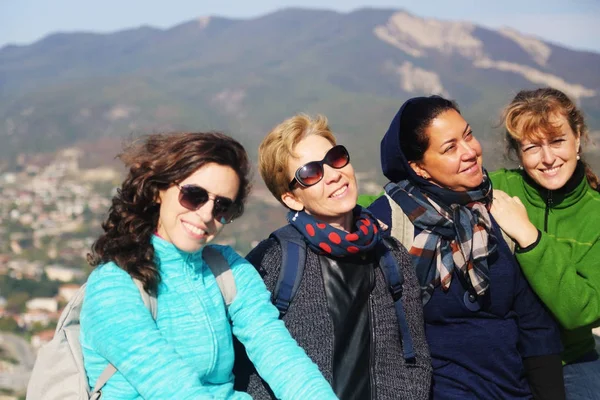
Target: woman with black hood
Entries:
(489, 335)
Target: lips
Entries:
(194, 230)
(470, 168)
(551, 171)
(339, 192)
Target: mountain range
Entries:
(243, 76)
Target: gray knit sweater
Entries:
(310, 324)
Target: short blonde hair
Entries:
(278, 146)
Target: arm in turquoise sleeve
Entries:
(277, 357)
(569, 287)
(122, 330)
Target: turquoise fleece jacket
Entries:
(187, 353)
(563, 267)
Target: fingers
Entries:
(382, 225)
(518, 201)
(499, 194)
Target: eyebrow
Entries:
(454, 140)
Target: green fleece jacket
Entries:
(563, 267)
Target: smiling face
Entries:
(190, 230)
(551, 161)
(453, 158)
(332, 199)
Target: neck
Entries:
(343, 222)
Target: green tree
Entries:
(15, 303)
(8, 324)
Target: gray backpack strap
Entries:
(222, 272)
(149, 301)
(109, 371)
(402, 229)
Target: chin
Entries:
(552, 184)
(189, 246)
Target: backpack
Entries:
(59, 373)
(293, 249)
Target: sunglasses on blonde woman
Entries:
(193, 197)
(311, 173)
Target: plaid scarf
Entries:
(325, 239)
(454, 236)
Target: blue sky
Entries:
(573, 23)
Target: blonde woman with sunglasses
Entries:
(368, 343)
(179, 193)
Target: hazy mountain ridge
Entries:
(243, 76)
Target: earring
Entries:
(520, 166)
(578, 157)
(295, 216)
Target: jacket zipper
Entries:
(548, 207)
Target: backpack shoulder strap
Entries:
(402, 229)
(222, 272)
(293, 258)
(395, 279)
(149, 301)
(151, 304)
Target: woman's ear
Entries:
(419, 170)
(292, 202)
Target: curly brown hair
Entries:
(156, 162)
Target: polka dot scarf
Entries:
(325, 239)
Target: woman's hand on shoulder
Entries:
(511, 215)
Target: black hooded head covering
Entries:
(394, 164)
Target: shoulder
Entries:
(107, 275)
(593, 194)
(228, 252)
(503, 178)
(381, 210)
(107, 287)
(266, 256)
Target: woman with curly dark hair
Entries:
(180, 191)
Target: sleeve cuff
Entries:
(519, 249)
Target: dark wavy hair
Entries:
(156, 162)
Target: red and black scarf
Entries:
(325, 239)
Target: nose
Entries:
(205, 212)
(468, 152)
(547, 155)
(331, 175)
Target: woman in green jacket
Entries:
(550, 206)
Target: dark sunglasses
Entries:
(193, 197)
(311, 173)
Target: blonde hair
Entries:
(278, 146)
(531, 115)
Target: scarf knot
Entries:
(325, 239)
(454, 236)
